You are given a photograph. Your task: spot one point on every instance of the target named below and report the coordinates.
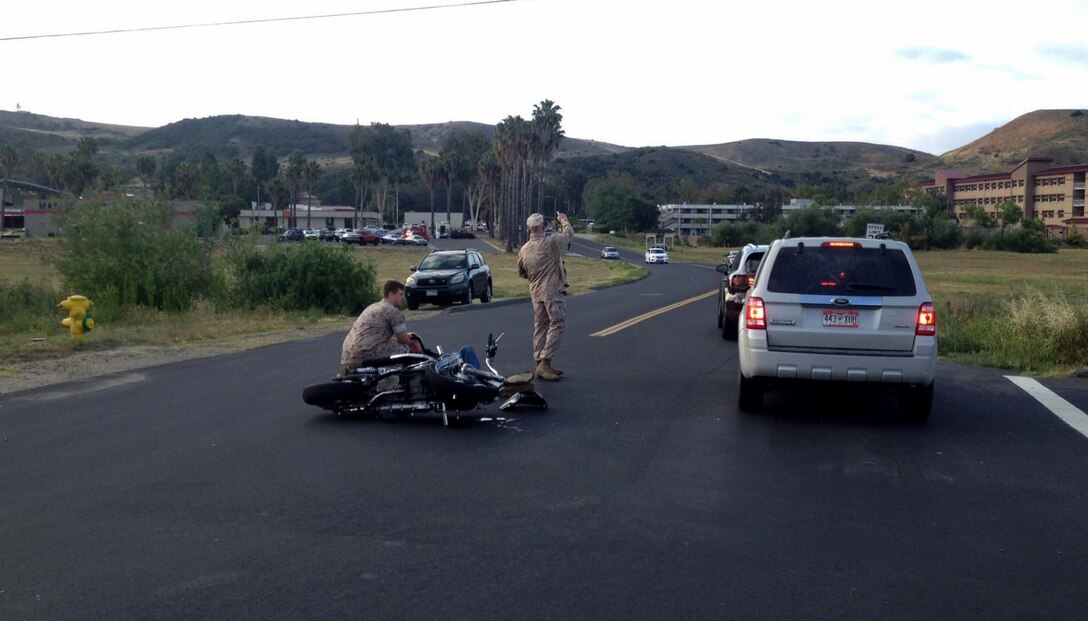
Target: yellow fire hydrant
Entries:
(79, 320)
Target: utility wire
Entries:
(256, 21)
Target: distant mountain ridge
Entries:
(1061, 134)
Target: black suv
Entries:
(295, 235)
(737, 277)
(447, 276)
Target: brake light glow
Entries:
(841, 244)
(927, 320)
(755, 318)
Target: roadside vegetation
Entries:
(156, 285)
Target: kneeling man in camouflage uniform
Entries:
(379, 331)
(541, 261)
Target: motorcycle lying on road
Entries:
(414, 385)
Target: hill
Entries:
(36, 132)
(790, 156)
(758, 164)
(1060, 134)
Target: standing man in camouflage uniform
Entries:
(541, 261)
(379, 331)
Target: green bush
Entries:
(296, 277)
(28, 308)
(132, 252)
(1020, 240)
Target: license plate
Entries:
(432, 292)
(840, 319)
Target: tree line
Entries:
(501, 180)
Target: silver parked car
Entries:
(609, 252)
(838, 310)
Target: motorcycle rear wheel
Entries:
(333, 395)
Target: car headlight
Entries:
(458, 278)
(411, 282)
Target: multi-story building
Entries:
(1054, 195)
(847, 211)
(699, 220)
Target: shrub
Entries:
(296, 277)
(129, 252)
(1029, 332)
(28, 307)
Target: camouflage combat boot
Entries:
(545, 372)
(554, 370)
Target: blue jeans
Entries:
(468, 354)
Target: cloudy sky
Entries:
(929, 75)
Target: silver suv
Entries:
(737, 278)
(838, 310)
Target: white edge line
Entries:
(1059, 407)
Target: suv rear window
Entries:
(841, 271)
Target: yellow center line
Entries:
(654, 313)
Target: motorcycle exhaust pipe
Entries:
(405, 408)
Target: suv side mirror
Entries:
(414, 268)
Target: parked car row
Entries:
(372, 235)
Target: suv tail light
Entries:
(755, 317)
(927, 320)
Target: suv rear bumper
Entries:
(444, 295)
(916, 367)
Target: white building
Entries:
(699, 220)
(845, 211)
(295, 216)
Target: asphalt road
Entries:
(207, 490)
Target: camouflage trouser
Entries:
(390, 347)
(549, 324)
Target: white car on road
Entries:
(657, 255)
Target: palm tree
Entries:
(236, 169)
(186, 178)
(9, 161)
(55, 166)
(428, 173)
(361, 174)
(311, 172)
(547, 131)
(146, 166)
(277, 189)
(513, 140)
(296, 170)
(446, 169)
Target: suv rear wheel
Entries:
(486, 297)
(749, 393)
(917, 401)
(729, 327)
